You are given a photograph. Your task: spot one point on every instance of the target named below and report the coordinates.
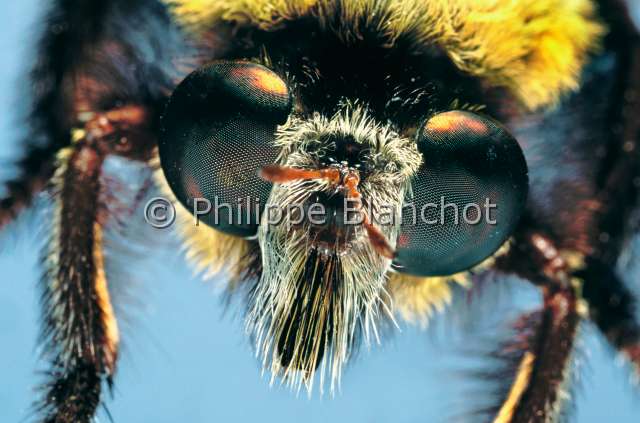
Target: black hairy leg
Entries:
(102, 72)
(574, 263)
(80, 332)
(538, 360)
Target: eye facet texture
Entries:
(470, 163)
(217, 132)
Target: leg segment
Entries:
(104, 69)
(545, 342)
(80, 333)
(573, 287)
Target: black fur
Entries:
(404, 84)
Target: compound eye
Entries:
(217, 131)
(467, 196)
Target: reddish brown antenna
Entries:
(348, 180)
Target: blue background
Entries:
(184, 360)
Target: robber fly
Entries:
(499, 136)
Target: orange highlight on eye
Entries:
(262, 79)
(451, 121)
(473, 125)
(444, 122)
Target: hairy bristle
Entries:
(310, 307)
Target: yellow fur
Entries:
(535, 48)
(208, 250)
(416, 298)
